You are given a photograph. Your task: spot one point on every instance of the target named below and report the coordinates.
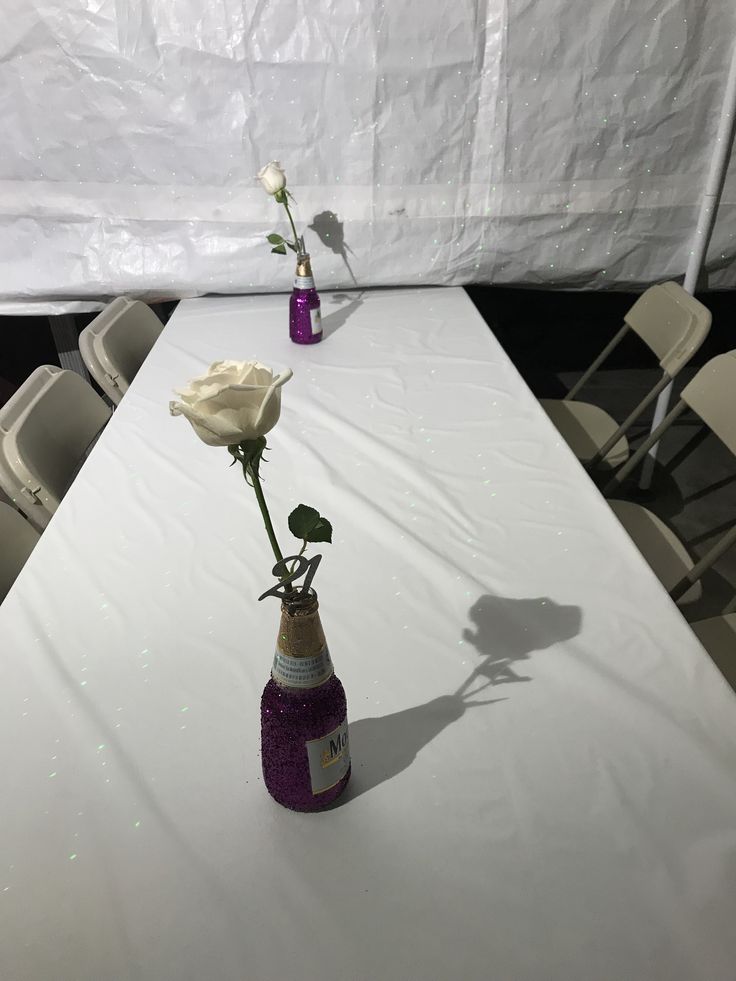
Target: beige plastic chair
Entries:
(46, 429)
(660, 546)
(718, 637)
(18, 539)
(117, 342)
(665, 553)
(712, 396)
(673, 325)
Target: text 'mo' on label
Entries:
(329, 758)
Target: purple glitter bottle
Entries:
(304, 729)
(305, 315)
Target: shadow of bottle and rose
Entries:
(331, 232)
(505, 632)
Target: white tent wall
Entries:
(549, 142)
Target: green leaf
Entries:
(308, 525)
(280, 249)
(292, 247)
(275, 239)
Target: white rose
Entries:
(232, 401)
(272, 177)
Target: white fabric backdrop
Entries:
(563, 142)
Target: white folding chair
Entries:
(673, 325)
(115, 344)
(46, 429)
(18, 539)
(711, 395)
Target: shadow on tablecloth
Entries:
(505, 631)
(334, 320)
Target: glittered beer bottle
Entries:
(304, 728)
(305, 314)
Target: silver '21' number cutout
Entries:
(304, 567)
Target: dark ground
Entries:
(552, 337)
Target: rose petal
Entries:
(232, 401)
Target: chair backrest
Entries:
(115, 344)
(18, 538)
(46, 428)
(712, 395)
(671, 322)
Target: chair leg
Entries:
(596, 364)
(701, 567)
(66, 339)
(631, 419)
(634, 461)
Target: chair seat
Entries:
(586, 428)
(18, 540)
(659, 545)
(718, 637)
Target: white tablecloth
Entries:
(575, 819)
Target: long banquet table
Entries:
(543, 755)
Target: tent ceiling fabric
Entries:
(563, 143)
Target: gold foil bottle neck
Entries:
(303, 265)
(300, 631)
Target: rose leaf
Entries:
(308, 525)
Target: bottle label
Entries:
(302, 672)
(304, 283)
(316, 318)
(329, 758)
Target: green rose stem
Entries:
(282, 199)
(266, 516)
(249, 470)
(267, 519)
(302, 550)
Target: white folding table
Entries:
(543, 755)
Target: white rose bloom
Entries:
(272, 177)
(232, 401)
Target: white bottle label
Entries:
(316, 317)
(304, 283)
(302, 672)
(329, 758)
